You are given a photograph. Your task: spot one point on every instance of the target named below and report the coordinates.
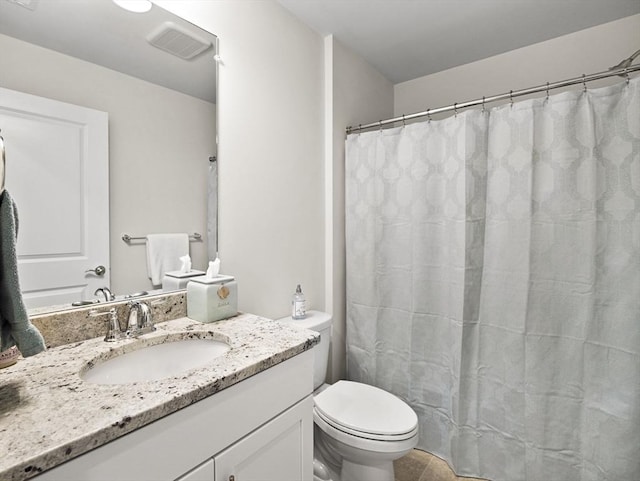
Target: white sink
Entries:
(152, 363)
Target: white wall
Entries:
(355, 93)
(279, 218)
(158, 165)
(587, 51)
(271, 150)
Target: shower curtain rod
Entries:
(623, 72)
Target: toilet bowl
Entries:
(359, 430)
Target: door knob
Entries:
(98, 271)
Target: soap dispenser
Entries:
(298, 304)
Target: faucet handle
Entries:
(113, 326)
(97, 313)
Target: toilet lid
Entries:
(365, 409)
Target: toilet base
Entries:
(327, 462)
(321, 471)
(353, 472)
(344, 462)
(372, 472)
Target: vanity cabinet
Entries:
(259, 429)
(273, 452)
(204, 472)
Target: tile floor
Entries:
(422, 466)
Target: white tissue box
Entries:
(212, 299)
(176, 280)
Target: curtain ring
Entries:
(483, 100)
(429, 114)
(626, 75)
(455, 109)
(547, 90)
(584, 83)
(511, 97)
(404, 124)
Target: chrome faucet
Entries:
(138, 323)
(140, 320)
(113, 326)
(108, 296)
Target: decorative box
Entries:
(212, 299)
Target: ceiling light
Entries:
(137, 6)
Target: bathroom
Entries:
(286, 95)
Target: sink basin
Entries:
(152, 363)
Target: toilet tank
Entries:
(319, 322)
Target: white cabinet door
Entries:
(58, 173)
(204, 472)
(281, 450)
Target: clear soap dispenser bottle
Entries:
(298, 304)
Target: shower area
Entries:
(493, 281)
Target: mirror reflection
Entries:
(106, 134)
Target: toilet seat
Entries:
(365, 411)
(379, 447)
(317, 415)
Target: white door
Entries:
(57, 171)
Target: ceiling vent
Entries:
(178, 41)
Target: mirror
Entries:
(161, 125)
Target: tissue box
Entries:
(212, 299)
(176, 280)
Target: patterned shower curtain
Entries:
(493, 283)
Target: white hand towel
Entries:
(163, 254)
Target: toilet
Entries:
(359, 430)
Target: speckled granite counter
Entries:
(49, 415)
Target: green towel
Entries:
(15, 327)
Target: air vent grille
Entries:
(178, 41)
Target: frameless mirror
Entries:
(149, 79)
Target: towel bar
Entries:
(127, 238)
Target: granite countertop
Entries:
(49, 415)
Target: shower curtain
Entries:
(493, 283)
